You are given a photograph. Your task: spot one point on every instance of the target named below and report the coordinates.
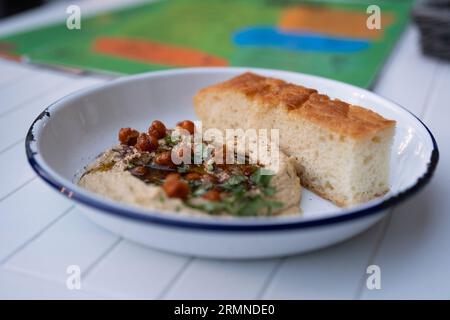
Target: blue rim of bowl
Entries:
(213, 226)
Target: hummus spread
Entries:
(141, 171)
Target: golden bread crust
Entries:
(305, 103)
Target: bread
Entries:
(342, 151)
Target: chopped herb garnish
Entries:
(232, 182)
(262, 180)
(243, 196)
(199, 192)
(172, 140)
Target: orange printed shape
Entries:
(330, 21)
(155, 53)
(6, 49)
(10, 56)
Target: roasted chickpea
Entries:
(212, 195)
(187, 125)
(157, 129)
(128, 136)
(192, 176)
(175, 188)
(164, 158)
(146, 142)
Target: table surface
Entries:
(41, 233)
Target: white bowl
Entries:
(72, 131)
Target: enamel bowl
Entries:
(72, 131)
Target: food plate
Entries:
(72, 131)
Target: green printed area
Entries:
(173, 33)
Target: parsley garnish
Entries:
(240, 200)
(172, 141)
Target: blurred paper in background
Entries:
(325, 38)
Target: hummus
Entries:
(127, 174)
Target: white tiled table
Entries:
(42, 233)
